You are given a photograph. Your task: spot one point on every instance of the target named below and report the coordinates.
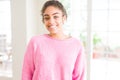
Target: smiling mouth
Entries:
(52, 27)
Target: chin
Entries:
(53, 32)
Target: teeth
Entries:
(53, 27)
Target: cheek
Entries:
(61, 21)
(45, 22)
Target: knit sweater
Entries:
(47, 58)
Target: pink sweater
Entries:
(47, 58)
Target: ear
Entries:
(64, 19)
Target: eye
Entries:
(55, 17)
(46, 18)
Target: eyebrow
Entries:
(52, 14)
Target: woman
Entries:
(54, 56)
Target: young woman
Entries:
(54, 56)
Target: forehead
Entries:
(51, 10)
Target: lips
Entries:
(52, 27)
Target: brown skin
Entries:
(54, 19)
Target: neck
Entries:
(60, 36)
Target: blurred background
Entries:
(95, 22)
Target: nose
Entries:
(51, 21)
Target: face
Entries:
(53, 19)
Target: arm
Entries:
(28, 63)
(79, 67)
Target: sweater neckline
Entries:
(46, 35)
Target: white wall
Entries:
(33, 16)
(5, 78)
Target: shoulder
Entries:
(77, 41)
(37, 38)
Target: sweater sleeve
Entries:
(79, 67)
(28, 63)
